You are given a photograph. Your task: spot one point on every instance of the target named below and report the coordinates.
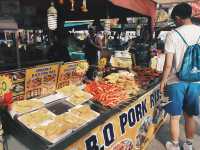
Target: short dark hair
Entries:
(182, 10)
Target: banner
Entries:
(71, 73)
(132, 128)
(41, 80)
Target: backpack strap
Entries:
(183, 37)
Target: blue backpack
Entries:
(190, 68)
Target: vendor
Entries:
(92, 46)
(58, 51)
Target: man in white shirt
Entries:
(184, 96)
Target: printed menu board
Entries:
(18, 84)
(72, 73)
(17, 78)
(41, 80)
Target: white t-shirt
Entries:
(160, 62)
(174, 44)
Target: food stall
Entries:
(120, 109)
(53, 109)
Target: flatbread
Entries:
(36, 118)
(26, 105)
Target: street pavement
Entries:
(162, 136)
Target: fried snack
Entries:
(79, 97)
(125, 80)
(55, 129)
(84, 112)
(35, 118)
(70, 117)
(69, 90)
(26, 105)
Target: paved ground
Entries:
(157, 144)
(163, 136)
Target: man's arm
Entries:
(166, 70)
(94, 44)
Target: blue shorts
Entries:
(184, 97)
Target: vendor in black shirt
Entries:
(92, 46)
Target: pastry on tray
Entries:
(79, 97)
(37, 117)
(56, 129)
(70, 117)
(69, 90)
(84, 112)
(26, 105)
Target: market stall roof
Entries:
(8, 24)
(147, 7)
(100, 9)
(172, 1)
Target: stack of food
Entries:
(54, 130)
(121, 62)
(33, 119)
(81, 67)
(84, 112)
(72, 118)
(24, 106)
(106, 93)
(75, 94)
(125, 80)
(64, 124)
(146, 75)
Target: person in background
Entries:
(116, 42)
(183, 96)
(92, 46)
(58, 51)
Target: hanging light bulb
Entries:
(84, 6)
(72, 5)
(52, 15)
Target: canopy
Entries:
(144, 7)
(8, 24)
(147, 7)
(172, 1)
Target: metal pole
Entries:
(17, 50)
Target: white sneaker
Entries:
(187, 146)
(170, 146)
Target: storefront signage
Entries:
(41, 81)
(127, 119)
(132, 128)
